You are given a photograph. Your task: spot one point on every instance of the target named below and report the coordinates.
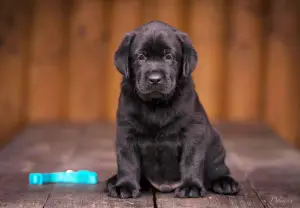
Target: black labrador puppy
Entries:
(164, 139)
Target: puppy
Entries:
(164, 139)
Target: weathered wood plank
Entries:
(271, 166)
(93, 152)
(36, 149)
(15, 192)
(39, 149)
(277, 186)
(247, 198)
(72, 196)
(269, 175)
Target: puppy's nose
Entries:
(155, 78)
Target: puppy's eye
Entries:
(168, 57)
(141, 57)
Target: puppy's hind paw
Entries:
(225, 185)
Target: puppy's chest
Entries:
(157, 119)
(156, 138)
(160, 147)
(160, 158)
(159, 124)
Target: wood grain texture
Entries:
(45, 73)
(269, 176)
(44, 149)
(74, 196)
(273, 171)
(170, 11)
(149, 10)
(72, 151)
(71, 196)
(86, 70)
(282, 98)
(277, 186)
(246, 199)
(207, 31)
(14, 36)
(125, 16)
(295, 87)
(15, 192)
(245, 63)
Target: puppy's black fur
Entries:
(164, 138)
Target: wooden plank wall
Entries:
(15, 20)
(282, 80)
(57, 58)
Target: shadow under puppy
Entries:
(164, 138)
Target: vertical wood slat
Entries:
(86, 71)
(245, 64)
(295, 88)
(45, 76)
(128, 12)
(14, 35)
(282, 88)
(207, 28)
(170, 11)
(149, 10)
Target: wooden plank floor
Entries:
(268, 169)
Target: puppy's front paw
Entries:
(122, 191)
(190, 190)
(225, 185)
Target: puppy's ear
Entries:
(121, 57)
(189, 56)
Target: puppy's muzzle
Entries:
(155, 78)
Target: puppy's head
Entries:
(155, 57)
